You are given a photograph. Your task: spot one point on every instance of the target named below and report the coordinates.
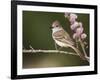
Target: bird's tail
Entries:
(78, 53)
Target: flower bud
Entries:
(72, 18)
(83, 36)
(80, 24)
(74, 25)
(75, 36)
(66, 14)
(79, 31)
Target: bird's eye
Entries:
(56, 25)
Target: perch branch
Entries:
(48, 51)
(32, 50)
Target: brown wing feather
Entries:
(63, 37)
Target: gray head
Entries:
(55, 24)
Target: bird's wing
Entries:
(63, 36)
(67, 37)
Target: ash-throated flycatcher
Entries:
(62, 38)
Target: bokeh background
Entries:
(37, 33)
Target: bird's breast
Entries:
(56, 29)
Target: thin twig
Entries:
(51, 51)
(31, 47)
(48, 51)
(55, 45)
(82, 45)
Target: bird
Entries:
(62, 38)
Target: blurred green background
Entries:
(37, 33)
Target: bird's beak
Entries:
(50, 27)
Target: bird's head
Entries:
(55, 24)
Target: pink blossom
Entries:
(66, 14)
(79, 31)
(72, 18)
(75, 36)
(83, 36)
(80, 24)
(74, 25)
